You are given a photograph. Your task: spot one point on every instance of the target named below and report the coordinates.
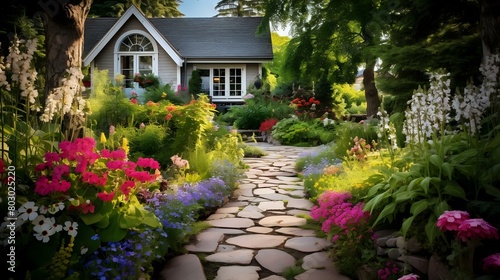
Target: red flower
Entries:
(451, 220)
(134, 101)
(267, 125)
(105, 196)
(476, 229)
(168, 117)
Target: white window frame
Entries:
(118, 53)
(226, 97)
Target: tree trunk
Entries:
(371, 92)
(490, 26)
(64, 26)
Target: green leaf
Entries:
(386, 212)
(447, 170)
(373, 190)
(431, 230)
(414, 182)
(374, 202)
(436, 161)
(406, 225)
(151, 220)
(90, 219)
(405, 196)
(425, 184)
(455, 190)
(441, 207)
(492, 190)
(113, 232)
(419, 206)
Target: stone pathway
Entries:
(257, 235)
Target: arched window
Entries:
(137, 54)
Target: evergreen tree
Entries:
(240, 8)
(150, 8)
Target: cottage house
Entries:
(226, 50)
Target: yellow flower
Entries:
(125, 146)
(103, 138)
(163, 95)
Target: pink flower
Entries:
(105, 196)
(148, 162)
(43, 186)
(451, 220)
(476, 229)
(127, 186)
(409, 277)
(111, 129)
(492, 263)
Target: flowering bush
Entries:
(267, 125)
(388, 272)
(80, 192)
(360, 149)
(147, 80)
(347, 225)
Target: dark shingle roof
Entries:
(95, 29)
(217, 37)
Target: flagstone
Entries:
(321, 274)
(257, 241)
(228, 210)
(183, 267)
(288, 179)
(206, 242)
(280, 164)
(263, 191)
(225, 231)
(282, 221)
(219, 216)
(275, 181)
(259, 229)
(296, 231)
(274, 277)
(236, 203)
(247, 186)
(300, 203)
(266, 185)
(274, 260)
(275, 196)
(307, 244)
(225, 248)
(277, 173)
(290, 187)
(232, 223)
(245, 198)
(271, 205)
(242, 256)
(251, 212)
(236, 273)
(319, 260)
(296, 212)
(297, 193)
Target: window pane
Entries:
(145, 64)
(136, 43)
(127, 69)
(235, 82)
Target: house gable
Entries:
(118, 24)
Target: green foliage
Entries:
(146, 81)
(293, 131)
(251, 115)
(194, 87)
(353, 98)
(289, 273)
(347, 131)
(252, 151)
(157, 94)
(109, 105)
(115, 8)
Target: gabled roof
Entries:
(187, 38)
(216, 37)
(102, 41)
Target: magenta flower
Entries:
(492, 263)
(476, 229)
(451, 220)
(409, 277)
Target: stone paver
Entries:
(236, 273)
(282, 221)
(257, 234)
(232, 223)
(274, 260)
(243, 256)
(307, 244)
(206, 242)
(257, 241)
(183, 267)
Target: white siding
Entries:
(252, 71)
(167, 69)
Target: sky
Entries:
(198, 8)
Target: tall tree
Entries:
(239, 8)
(330, 37)
(150, 8)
